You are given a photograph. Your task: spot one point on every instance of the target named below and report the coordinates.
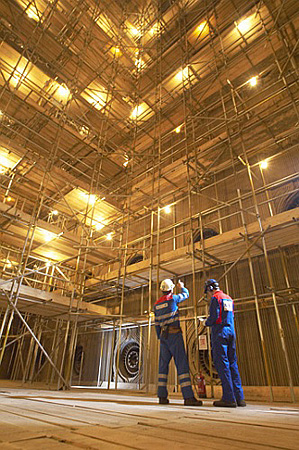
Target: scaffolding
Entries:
(134, 143)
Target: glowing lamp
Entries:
(264, 164)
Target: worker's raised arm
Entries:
(183, 295)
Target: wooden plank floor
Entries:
(42, 420)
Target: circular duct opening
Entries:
(207, 233)
(203, 357)
(128, 360)
(135, 259)
(291, 202)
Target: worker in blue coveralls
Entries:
(223, 338)
(171, 342)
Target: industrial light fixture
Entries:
(178, 129)
(138, 110)
(155, 29)
(182, 74)
(32, 13)
(116, 51)
(8, 264)
(54, 212)
(83, 130)
(264, 164)
(9, 199)
(139, 63)
(109, 237)
(134, 113)
(167, 209)
(253, 81)
(133, 30)
(244, 25)
(201, 27)
(63, 90)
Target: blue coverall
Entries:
(166, 314)
(221, 319)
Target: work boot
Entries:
(225, 404)
(241, 403)
(163, 401)
(192, 402)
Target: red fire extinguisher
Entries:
(201, 385)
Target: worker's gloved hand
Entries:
(202, 320)
(180, 284)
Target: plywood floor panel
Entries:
(98, 419)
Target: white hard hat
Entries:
(166, 285)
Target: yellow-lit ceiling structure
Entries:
(101, 102)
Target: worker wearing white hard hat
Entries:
(171, 342)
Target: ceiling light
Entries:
(8, 199)
(138, 110)
(244, 25)
(201, 26)
(8, 264)
(109, 237)
(63, 90)
(182, 74)
(178, 129)
(139, 63)
(84, 130)
(167, 209)
(253, 81)
(133, 30)
(134, 113)
(115, 51)
(32, 13)
(154, 29)
(54, 212)
(264, 164)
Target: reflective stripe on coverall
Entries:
(166, 313)
(221, 319)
